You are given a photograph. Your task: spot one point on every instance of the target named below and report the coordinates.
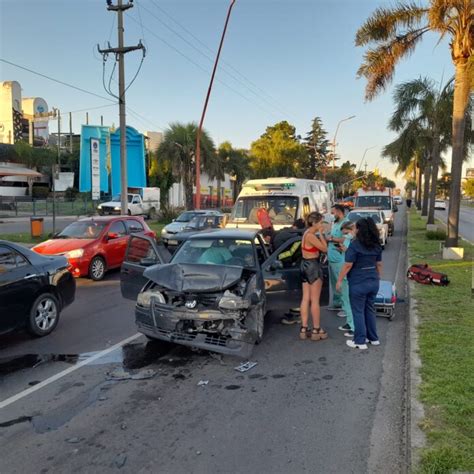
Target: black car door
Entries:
(282, 277)
(19, 285)
(142, 252)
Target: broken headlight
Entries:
(231, 301)
(144, 299)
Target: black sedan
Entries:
(214, 292)
(33, 289)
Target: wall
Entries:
(10, 111)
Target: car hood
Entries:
(194, 277)
(58, 246)
(111, 204)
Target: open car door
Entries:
(142, 252)
(281, 272)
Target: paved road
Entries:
(466, 222)
(306, 407)
(22, 224)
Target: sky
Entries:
(282, 60)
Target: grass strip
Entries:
(446, 343)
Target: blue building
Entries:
(109, 159)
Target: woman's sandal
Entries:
(304, 332)
(318, 334)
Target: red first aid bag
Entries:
(424, 274)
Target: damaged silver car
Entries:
(214, 292)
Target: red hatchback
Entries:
(94, 245)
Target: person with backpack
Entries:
(363, 268)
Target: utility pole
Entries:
(365, 169)
(54, 171)
(119, 53)
(201, 122)
(70, 132)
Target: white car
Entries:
(440, 204)
(398, 200)
(183, 221)
(378, 217)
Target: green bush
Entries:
(71, 193)
(168, 213)
(436, 235)
(40, 192)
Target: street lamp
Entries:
(363, 156)
(334, 140)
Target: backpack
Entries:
(424, 274)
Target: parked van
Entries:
(378, 199)
(284, 199)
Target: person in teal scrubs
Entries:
(336, 242)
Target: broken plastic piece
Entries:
(202, 382)
(245, 366)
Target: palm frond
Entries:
(385, 23)
(379, 62)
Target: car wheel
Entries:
(129, 212)
(97, 268)
(44, 315)
(256, 323)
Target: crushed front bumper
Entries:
(162, 322)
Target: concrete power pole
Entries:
(119, 53)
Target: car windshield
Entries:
(118, 198)
(82, 230)
(382, 202)
(196, 222)
(216, 252)
(185, 216)
(280, 209)
(355, 216)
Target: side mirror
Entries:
(112, 235)
(147, 261)
(276, 265)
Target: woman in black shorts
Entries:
(312, 244)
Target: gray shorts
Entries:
(310, 270)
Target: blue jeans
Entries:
(362, 295)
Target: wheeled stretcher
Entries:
(386, 299)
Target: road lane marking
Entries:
(67, 371)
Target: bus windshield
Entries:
(281, 209)
(382, 202)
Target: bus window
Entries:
(306, 207)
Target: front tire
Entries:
(44, 315)
(256, 324)
(97, 268)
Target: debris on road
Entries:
(202, 383)
(73, 440)
(244, 367)
(120, 460)
(123, 426)
(120, 374)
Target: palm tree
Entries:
(420, 101)
(178, 148)
(394, 33)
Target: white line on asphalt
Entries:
(67, 371)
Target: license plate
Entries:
(172, 242)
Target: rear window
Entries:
(133, 226)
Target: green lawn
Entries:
(156, 226)
(24, 238)
(446, 340)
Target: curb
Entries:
(416, 412)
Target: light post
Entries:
(363, 156)
(334, 140)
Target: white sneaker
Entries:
(341, 314)
(373, 343)
(353, 345)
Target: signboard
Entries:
(95, 169)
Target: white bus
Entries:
(284, 199)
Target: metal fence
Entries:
(25, 206)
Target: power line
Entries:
(207, 56)
(190, 33)
(143, 119)
(72, 86)
(199, 66)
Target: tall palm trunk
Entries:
(418, 186)
(460, 103)
(434, 178)
(426, 188)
